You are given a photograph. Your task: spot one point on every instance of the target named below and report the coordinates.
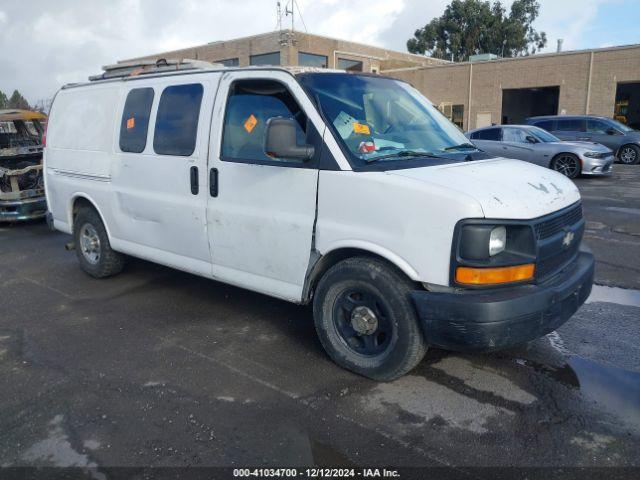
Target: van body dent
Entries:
(348, 191)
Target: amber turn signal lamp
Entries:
(494, 276)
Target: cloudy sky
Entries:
(46, 43)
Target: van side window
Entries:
(249, 105)
(545, 125)
(135, 120)
(571, 125)
(177, 120)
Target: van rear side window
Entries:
(135, 120)
(177, 120)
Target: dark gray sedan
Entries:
(623, 140)
(532, 144)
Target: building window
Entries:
(312, 60)
(349, 65)
(135, 120)
(457, 115)
(229, 62)
(177, 120)
(266, 59)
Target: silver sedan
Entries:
(532, 144)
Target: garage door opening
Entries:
(520, 103)
(628, 104)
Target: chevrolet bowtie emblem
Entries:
(568, 238)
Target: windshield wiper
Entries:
(462, 146)
(401, 154)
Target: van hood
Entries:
(504, 188)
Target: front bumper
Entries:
(501, 318)
(597, 166)
(23, 209)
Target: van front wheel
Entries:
(92, 245)
(366, 321)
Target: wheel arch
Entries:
(320, 263)
(78, 201)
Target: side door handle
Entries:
(195, 185)
(213, 182)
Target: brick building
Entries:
(603, 81)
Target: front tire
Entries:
(92, 245)
(366, 321)
(567, 164)
(629, 155)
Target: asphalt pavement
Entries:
(156, 367)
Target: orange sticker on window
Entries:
(250, 123)
(131, 122)
(361, 129)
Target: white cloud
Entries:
(44, 44)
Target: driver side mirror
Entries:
(280, 141)
(532, 139)
(612, 131)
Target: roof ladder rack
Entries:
(145, 67)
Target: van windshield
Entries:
(381, 119)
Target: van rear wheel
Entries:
(366, 321)
(92, 245)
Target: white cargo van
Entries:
(348, 191)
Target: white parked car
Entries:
(347, 191)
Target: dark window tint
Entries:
(135, 120)
(571, 125)
(349, 65)
(229, 62)
(251, 103)
(177, 120)
(312, 60)
(266, 59)
(597, 126)
(545, 125)
(489, 134)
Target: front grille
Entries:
(552, 264)
(548, 228)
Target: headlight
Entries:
(487, 252)
(497, 241)
(594, 154)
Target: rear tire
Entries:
(92, 245)
(629, 155)
(567, 164)
(365, 319)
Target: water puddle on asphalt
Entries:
(619, 296)
(615, 389)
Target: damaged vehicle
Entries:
(349, 192)
(21, 181)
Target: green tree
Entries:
(469, 27)
(4, 101)
(18, 101)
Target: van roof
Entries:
(130, 71)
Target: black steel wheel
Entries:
(366, 320)
(363, 322)
(567, 164)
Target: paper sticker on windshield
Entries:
(250, 123)
(131, 123)
(361, 129)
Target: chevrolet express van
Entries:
(350, 192)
